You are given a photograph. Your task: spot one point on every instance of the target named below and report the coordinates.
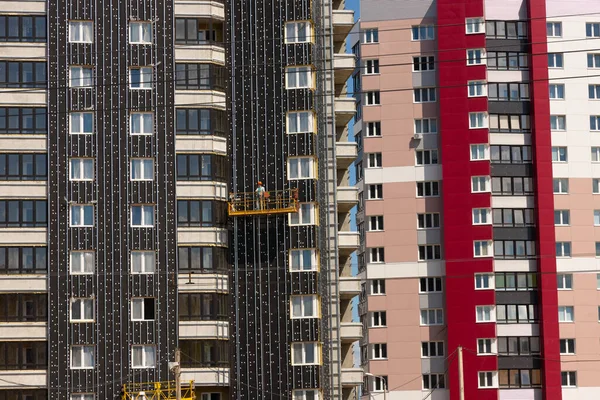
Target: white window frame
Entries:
(595, 60)
(379, 384)
(475, 57)
(294, 74)
(301, 172)
(432, 186)
(566, 314)
(596, 217)
(571, 376)
(376, 255)
(143, 212)
(83, 304)
(480, 151)
(378, 189)
(299, 394)
(298, 306)
(428, 221)
(564, 246)
(301, 254)
(478, 120)
(554, 59)
(434, 344)
(490, 344)
(433, 155)
(554, 89)
(595, 154)
(372, 66)
(485, 314)
(379, 351)
(562, 217)
(83, 209)
(481, 216)
(297, 117)
(373, 129)
(484, 278)
(301, 347)
(564, 281)
(374, 160)
(376, 223)
(83, 166)
(138, 308)
(431, 316)
(373, 98)
(293, 29)
(297, 219)
(431, 94)
(431, 247)
(423, 63)
(480, 184)
(563, 185)
(82, 396)
(81, 32)
(80, 117)
(142, 117)
(559, 154)
(483, 248)
(431, 284)
(594, 123)
(377, 287)
(144, 83)
(593, 28)
(78, 353)
(551, 29)
(79, 78)
(477, 88)
(143, 33)
(423, 33)
(371, 36)
(146, 262)
(570, 347)
(147, 363)
(474, 26)
(145, 167)
(379, 315)
(439, 378)
(82, 262)
(426, 126)
(487, 379)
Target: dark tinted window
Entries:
(23, 167)
(22, 28)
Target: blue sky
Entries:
(353, 4)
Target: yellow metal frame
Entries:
(157, 391)
(274, 202)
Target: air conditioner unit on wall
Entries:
(418, 136)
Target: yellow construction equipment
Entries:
(157, 391)
(273, 202)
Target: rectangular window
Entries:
(484, 281)
(300, 77)
(595, 154)
(561, 217)
(434, 381)
(566, 314)
(140, 32)
(305, 394)
(23, 120)
(303, 260)
(81, 123)
(142, 216)
(423, 32)
(305, 306)
(480, 152)
(474, 25)
(482, 248)
(593, 60)
(428, 189)
(478, 120)
(298, 32)
(506, 29)
(426, 125)
(201, 259)
(143, 262)
(198, 31)
(23, 260)
(477, 88)
(430, 285)
(307, 353)
(306, 215)
(142, 309)
(373, 129)
(371, 67)
(511, 154)
(557, 91)
(424, 95)
(201, 213)
(140, 78)
(379, 351)
(379, 384)
(21, 307)
(23, 213)
(82, 357)
(22, 28)
(568, 378)
(23, 355)
(372, 99)
(594, 123)
(485, 313)
(423, 63)
(428, 221)
(81, 31)
(518, 186)
(301, 168)
(378, 287)
(432, 349)
(480, 184)
(518, 345)
(82, 310)
(558, 122)
(378, 319)
(508, 91)
(516, 281)
(475, 56)
(22, 74)
(515, 123)
(519, 378)
(141, 123)
(375, 192)
(513, 249)
(82, 396)
(23, 167)
(516, 313)
(430, 252)
(486, 346)
(143, 356)
(488, 379)
(596, 217)
(376, 223)
(482, 216)
(594, 92)
(82, 262)
(554, 29)
(300, 122)
(81, 76)
(563, 249)
(374, 160)
(560, 185)
(507, 61)
(426, 157)
(197, 76)
(567, 346)
(595, 186)
(202, 167)
(432, 316)
(377, 255)
(81, 169)
(555, 60)
(371, 35)
(592, 29)
(203, 307)
(559, 154)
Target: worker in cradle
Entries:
(260, 196)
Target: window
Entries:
(23, 260)
(203, 307)
(81, 76)
(560, 185)
(554, 29)
(201, 167)
(428, 220)
(371, 67)
(506, 29)
(372, 99)
(379, 384)
(81, 123)
(23, 120)
(557, 91)
(81, 31)
(423, 63)
(140, 78)
(428, 189)
(593, 60)
(81, 169)
(596, 217)
(568, 378)
(204, 353)
(376, 223)
(484, 281)
(486, 346)
(480, 152)
(508, 91)
(82, 357)
(434, 381)
(82, 262)
(23, 213)
(567, 346)
(374, 160)
(22, 28)
(377, 255)
(482, 216)
(371, 35)
(477, 88)
(514, 123)
(561, 217)
(558, 122)
(20, 355)
(513, 249)
(378, 286)
(143, 262)
(511, 154)
(298, 32)
(432, 316)
(595, 154)
(201, 259)
(426, 125)
(563, 249)
(507, 61)
(82, 310)
(202, 213)
(143, 356)
(518, 345)
(142, 216)
(595, 186)
(305, 306)
(197, 76)
(300, 77)
(475, 56)
(140, 32)
(430, 285)
(487, 379)
(306, 215)
(477, 120)
(594, 122)
(142, 309)
(301, 168)
(432, 349)
(23, 167)
(373, 129)
(520, 378)
(559, 154)
(302, 260)
(307, 353)
(424, 95)
(305, 394)
(379, 351)
(430, 252)
(516, 281)
(197, 121)
(423, 32)
(426, 157)
(519, 186)
(198, 31)
(375, 192)
(21, 74)
(480, 184)
(566, 314)
(598, 252)
(82, 396)
(474, 25)
(378, 319)
(592, 29)
(485, 313)
(21, 307)
(482, 248)
(516, 313)
(141, 124)
(555, 60)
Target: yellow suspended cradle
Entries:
(157, 391)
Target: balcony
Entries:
(209, 52)
(22, 378)
(206, 376)
(343, 21)
(351, 331)
(23, 330)
(347, 197)
(200, 8)
(343, 65)
(345, 153)
(349, 287)
(345, 108)
(204, 330)
(348, 243)
(352, 376)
